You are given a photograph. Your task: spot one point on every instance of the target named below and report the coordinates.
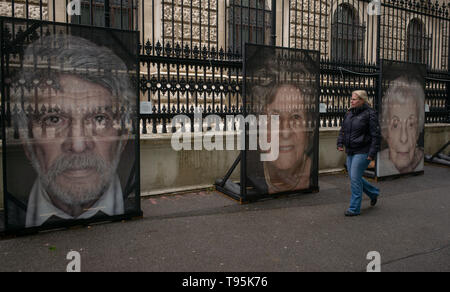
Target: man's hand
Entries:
(340, 148)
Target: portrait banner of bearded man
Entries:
(72, 144)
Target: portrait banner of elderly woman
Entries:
(402, 118)
(282, 91)
(71, 113)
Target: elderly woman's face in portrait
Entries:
(402, 133)
(288, 104)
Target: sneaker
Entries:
(350, 214)
(373, 202)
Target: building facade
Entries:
(180, 40)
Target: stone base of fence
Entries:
(164, 170)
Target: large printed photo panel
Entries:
(282, 83)
(402, 119)
(70, 138)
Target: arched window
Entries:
(417, 44)
(248, 21)
(347, 35)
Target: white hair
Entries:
(50, 57)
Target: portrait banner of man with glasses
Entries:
(71, 139)
(402, 119)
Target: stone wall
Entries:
(164, 170)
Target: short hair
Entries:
(401, 91)
(48, 58)
(362, 94)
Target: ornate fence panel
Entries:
(191, 50)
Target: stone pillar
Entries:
(57, 10)
(221, 24)
(146, 26)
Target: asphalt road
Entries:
(207, 231)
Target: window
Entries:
(121, 15)
(248, 21)
(417, 44)
(347, 35)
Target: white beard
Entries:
(73, 194)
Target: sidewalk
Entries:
(209, 232)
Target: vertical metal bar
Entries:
(27, 7)
(296, 25)
(437, 42)
(397, 30)
(274, 23)
(200, 24)
(289, 23)
(383, 42)
(3, 128)
(217, 26)
(320, 30)
(314, 26)
(241, 25)
(54, 11)
(249, 23)
(363, 29)
(256, 21)
(244, 152)
(233, 29)
(227, 22)
(173, 28)
(91, 12)
(348, 24)
(153, 28)
(301, 27)
(134, 26)
(377, 100)
(265, 13)
(209, 25)
(121, 14)
(143, 24)
(405, 35)
(107, 14)
(79, 16)
(13, 8)
(448, 70)
(149, 98)
(40, 9)
(327, 27)
(192, 37)
(367, 38)
(282, 23)
(163, 22)
(182, 27)
(13, 15)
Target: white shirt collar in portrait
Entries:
(40, 208)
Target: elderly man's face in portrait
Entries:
(75, 149)
(288, 104)
(402, 133)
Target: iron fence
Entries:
(191, 50)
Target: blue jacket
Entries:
(360, 132)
